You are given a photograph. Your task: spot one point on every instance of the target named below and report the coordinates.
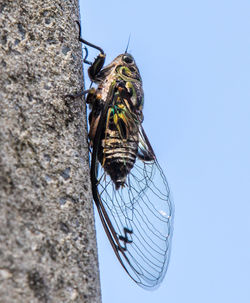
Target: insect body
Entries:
(129, 187)
(120, 86)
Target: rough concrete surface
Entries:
(47, 235)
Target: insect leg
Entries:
(97, 65)
(90, 91)
(86, 42)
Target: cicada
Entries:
(130, 190)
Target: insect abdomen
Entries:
(118, 155)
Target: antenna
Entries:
(128, 43)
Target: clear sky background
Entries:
(194, 59)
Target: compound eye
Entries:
(127, 59)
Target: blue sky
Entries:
(194, 58)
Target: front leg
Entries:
(97, 65)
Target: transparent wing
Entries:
(138, 218)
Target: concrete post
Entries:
(47, 234)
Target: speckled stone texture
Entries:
(47, 235)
